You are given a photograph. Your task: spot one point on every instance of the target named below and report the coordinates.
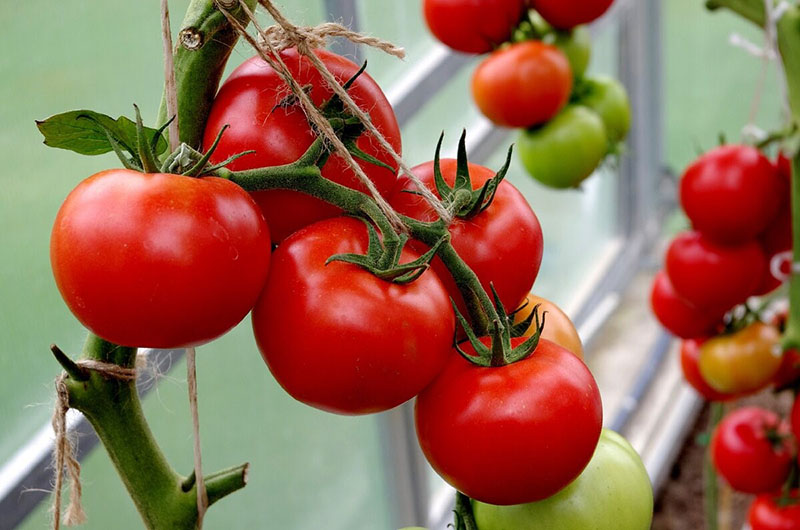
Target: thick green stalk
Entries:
(711, 484)
(752, 10)
(114, 410)
(204, 45)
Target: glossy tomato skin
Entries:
(338, 338)
(511, 434)
(502, 245)
(777, 236)
(475, 26)
(565, 14)
(678, 316)
(158, 260)
(522, 85)
(767, 514)
(745, 456)
(250, 102)
(558, 326)
(731, 193)
(612, 493)
(690, 355)
(711, 276)
(741, 362)
(566, 150)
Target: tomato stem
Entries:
(465, 520)
(711, 484)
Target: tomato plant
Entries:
(564, 14)
(608, 98)
(558, 326)
(502, 244)
(711, 276)
(159, 260)
(770, 512)
(566, 150)
(751, 450)
(262, 115)
(731, 193)
(341, 339)
(522, 85)
(476, 26)
(511, 434)
(612, 493)
(676, 314)
(690, 355)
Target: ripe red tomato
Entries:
(511, 434)
(710, 276)
(338, 338)
(252, 102)
(565, 14)
(751, 450)
(680, 317)
(789, 370)
(731, 193)
(156, 260)
(690, 354)
(522, 85)
(777, 236)
(476, 26)
(502, 244)
(767, 513)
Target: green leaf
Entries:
(84, 132)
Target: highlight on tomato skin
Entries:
(254, 100)
(499, 435)
(130, 252)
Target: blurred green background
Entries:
(309, 469)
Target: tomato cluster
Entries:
(737, 202)
(533, 79)
(755, 451)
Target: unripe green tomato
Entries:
(577, 46)
(612, 493)
(608, 98)
(567, 149)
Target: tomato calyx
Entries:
(383, 257)
(463, 516)
(460, 198)
(501, 330)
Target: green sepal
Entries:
(351, 146)
(460, 198)
(383, 260)
(87, 133)
(148, 158)
(201, 164)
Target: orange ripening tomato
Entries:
(744, 361)
(558, 327)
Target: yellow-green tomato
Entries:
(608, 98)
(577, 46)
(741, 362)
(567, 149)
(612, 493)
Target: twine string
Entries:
(285, 34)
(202, 495)
(64, 460)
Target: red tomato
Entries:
(338, 338)
(159, 261)
(511, 434)
(767, 513)
(690, 354)
(731, 193)
(565, 14)
(502, 244)
(474, 26)
(777, 236)
(680, 317)
(250, 102)
(751, 450)
(795, 417)
(522, 85)
(710, 276)
(789, 370)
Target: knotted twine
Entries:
(284, 35)
(64, 449)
